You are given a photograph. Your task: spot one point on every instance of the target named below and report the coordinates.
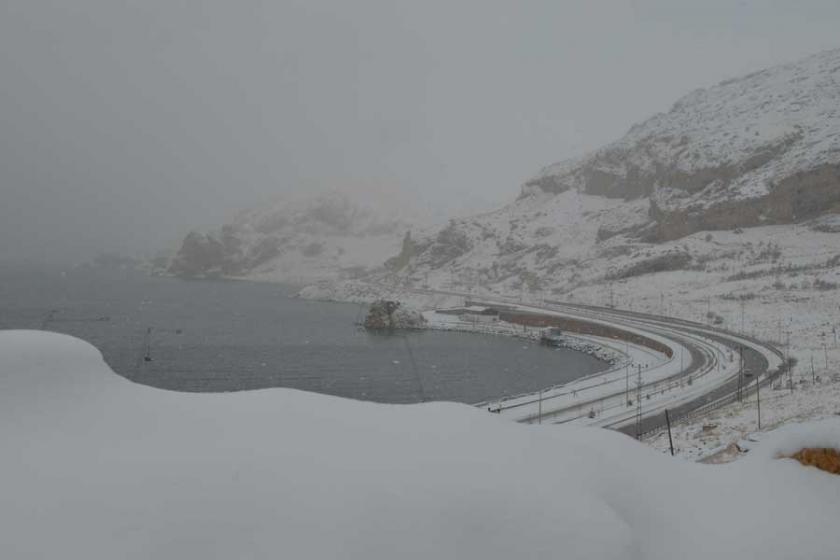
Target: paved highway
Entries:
(703, 371)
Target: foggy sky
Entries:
(123, 124)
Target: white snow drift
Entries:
(97, 467)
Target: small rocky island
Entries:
(387, 314)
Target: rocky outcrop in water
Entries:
(386, 314)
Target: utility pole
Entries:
(627, 373)
(670, 439)
(639, 404)
(758, 401)
(787, 360)
(740, 370)
(826, 358)
(743, 303)
(627, 383)
(813, 373)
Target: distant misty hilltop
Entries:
(329, 235)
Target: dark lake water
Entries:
(229, 336)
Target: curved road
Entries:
(760, 361)
(709, 375)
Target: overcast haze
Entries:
(123, 124)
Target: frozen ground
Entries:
(100, 468)
(712, 436)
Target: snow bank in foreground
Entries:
(97, 467)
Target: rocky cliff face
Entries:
(795, 198)
(755, 151)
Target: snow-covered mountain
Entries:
(304, 239)
(759, 149)
(751, 152)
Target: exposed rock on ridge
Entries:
(672, 197)
(757, 150)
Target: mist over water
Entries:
(227, 336)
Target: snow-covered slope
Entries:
(764, 148)
(758, 151)
(99, 468)
(327, 236)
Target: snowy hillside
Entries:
(328, 236)
(760, 149)
(677, 193)
(102, 468)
